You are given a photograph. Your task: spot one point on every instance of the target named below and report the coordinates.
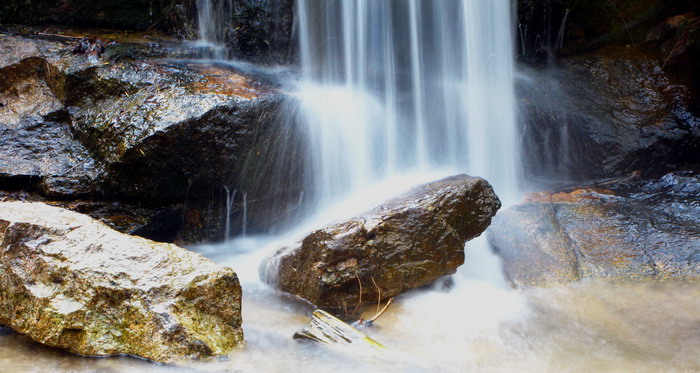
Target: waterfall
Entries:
(397, 87)
(213, 17)
(391, 88)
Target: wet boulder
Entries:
(158, 129)
(645, 229)
(608, 113)
(132, 126)
(39, 150)
(403, 244)
(71, 282)
(30, 88)
(166, 131)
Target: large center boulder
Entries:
(69, 281)
(405, 243)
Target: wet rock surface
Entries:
(263, 31)
(32, 87)
(131, 126)
(259, 31)
(171, 15)
(642, 229)
(173, 131)
(609, 113)
(42, 155)
(142, 120)
(550, 27)
(405, 243)
(69, 281)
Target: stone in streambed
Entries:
(69, 281)
(401, 245)
(646, 230)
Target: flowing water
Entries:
(395, 93)
(213, 26)
(396, 87)
(585, 327)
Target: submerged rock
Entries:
(403, 244)
(642, 230)
(69, 281)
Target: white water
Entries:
(398, 93)
(213, 22)
(395, 94)
(408, 86)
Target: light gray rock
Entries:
(71, 282)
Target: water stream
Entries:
(213, 27)
(397, 87)
(585, 327)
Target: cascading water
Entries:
(213, 20)
(396, 87)
(394, 93)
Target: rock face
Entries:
(174, 130)
(606, 114)
(642, 230)
(171, 15)
(263, 31)
(132, 126)
(406, 243)
(548, 27)
(260, 31)
(69, 281)
(42, 155)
